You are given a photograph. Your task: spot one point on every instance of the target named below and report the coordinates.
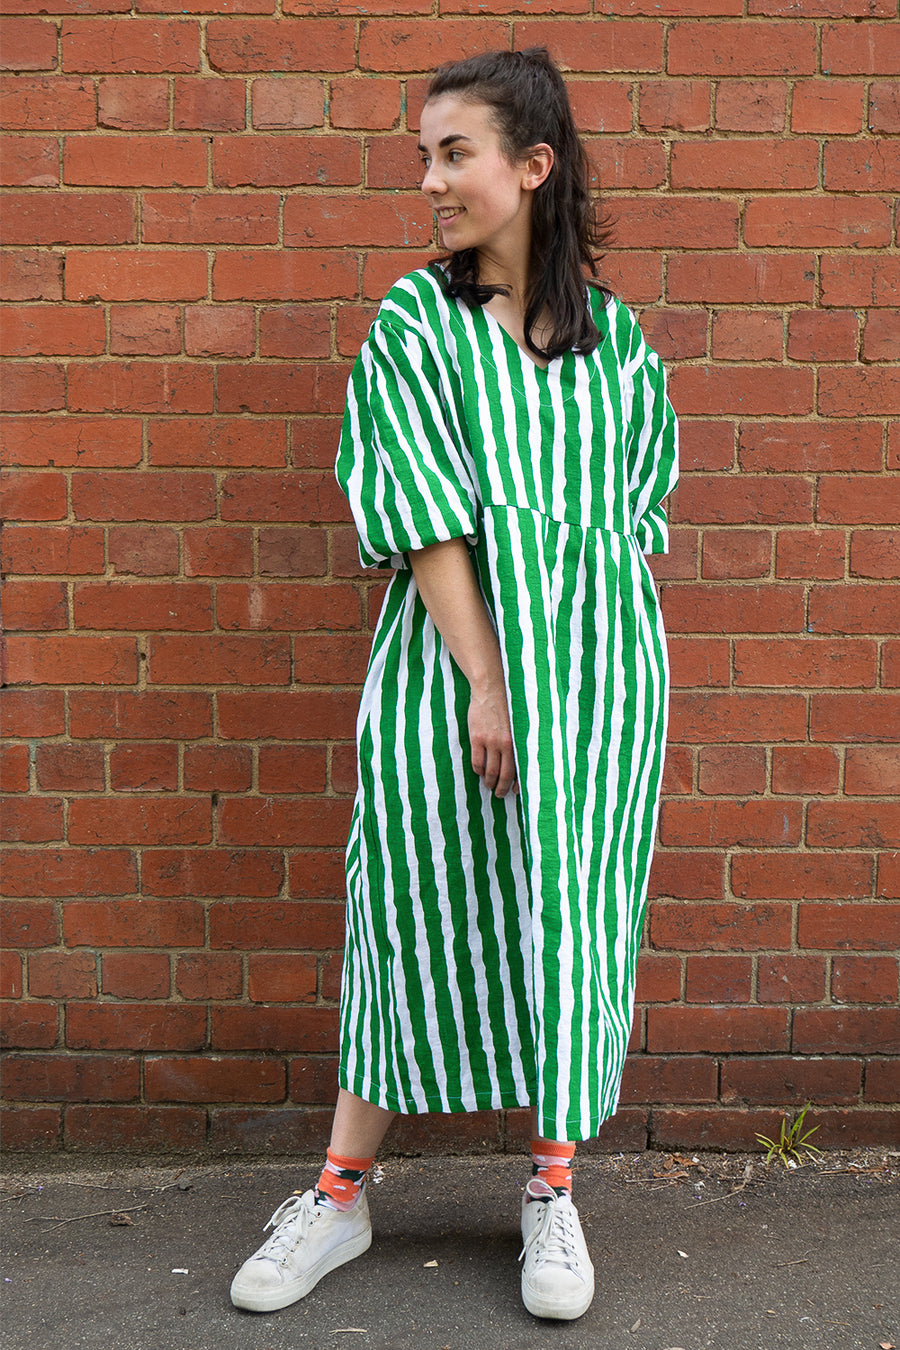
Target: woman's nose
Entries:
(433, 184)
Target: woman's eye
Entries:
(454, 156)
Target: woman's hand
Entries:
(490, 736)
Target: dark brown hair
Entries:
(530, 105)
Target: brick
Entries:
(286, 161)
(206, 977)
(28, 1026)
(246, 45)
(859, 927)
(208, 104)
(140, 46)
(362, 221)
(61, 767)
(62, 975)
(651, 1079)
(810, 553)
(873, 771)
(313, 1030)
(267, 821)
(34, 605)
(71, 871)
(144, 330)
(214, 1080)
(143, 550)
(658, 979)
(30, 275)
(790, 979)
(138, 975)
(890, 673)
(213, 872)
(35, 103)
(864, 979)
(801, 876)
(146, 1129)
(741, 165)
(732, 770)
(32, 713)
(308, 275)
(214, 441)
(28, 44)
(134, 1026)
(331, 977)
(694, 876)
(883, 1081)
(671, 332)
(820, 9)
(824, 335)
(291, 768)
(884, 106)
(747, 335)
(854, 717)
(629, 163)
(862, 391)
(847, 500)
(33, 387)
(298, 330)
(135, 276)
(217, 551)
(236, 1130)
(721, 927)
(292, 552)
(344, 776)
(287, 104)
(705, 390)
(146, 715)
(783, 1081)
(144, 821)
(57, 330)
(713, 1030)
(287, 606)
(247, 925)
(218, 331)
(827, 107)
(31, 820)
(864, 281)
(341, 659)
(133, 104)
(288, 388)
(807, 770)
(14, 768)
(218, 660)
(718, 979)
(29, 1129)
(751, 105)
(743, 499)
(676, 105)
(420, 44)
(210, 218)
(140, 386)
(755, 609)
(699, 661)
(725, 718)
(282, 979)
(28, 162)
(854, 825)
(857, 166)
(743, 278)
(757, 824)
(141, 496)
(698, 222)
(71, 1078)
(26, 925)
(144, 768)
(854, 609)
(730, 49)
(313, 1080)
(281, 715)
(218, 768)
(805, 662)
(881, 340)
(73, 441)
(736, 553)
(317, 874)
(143, 605)
(71, 659)
(69, 550)
(824, 222)
(680, 563)
(846, 1031)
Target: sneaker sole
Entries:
(543, 1307)
(297, 1289)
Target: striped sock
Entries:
(551, 1160)
(342, 1181)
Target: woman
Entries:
(507, 446)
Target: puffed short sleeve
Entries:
(401, 460)
(652, 446)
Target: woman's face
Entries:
(481, 199)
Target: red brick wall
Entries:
(203, 213)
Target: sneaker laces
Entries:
(290, 1222)
(554, 1235)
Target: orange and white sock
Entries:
(551, 1161)
(342, 1181)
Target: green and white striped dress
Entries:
(491, 944)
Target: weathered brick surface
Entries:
(203, 214)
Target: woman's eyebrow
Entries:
(447, 140)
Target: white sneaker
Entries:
(557, 1277)
(308, 1241)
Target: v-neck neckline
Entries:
(543, 374)
(518, 346)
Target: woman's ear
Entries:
(537, 165)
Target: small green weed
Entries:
(791, 1140)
